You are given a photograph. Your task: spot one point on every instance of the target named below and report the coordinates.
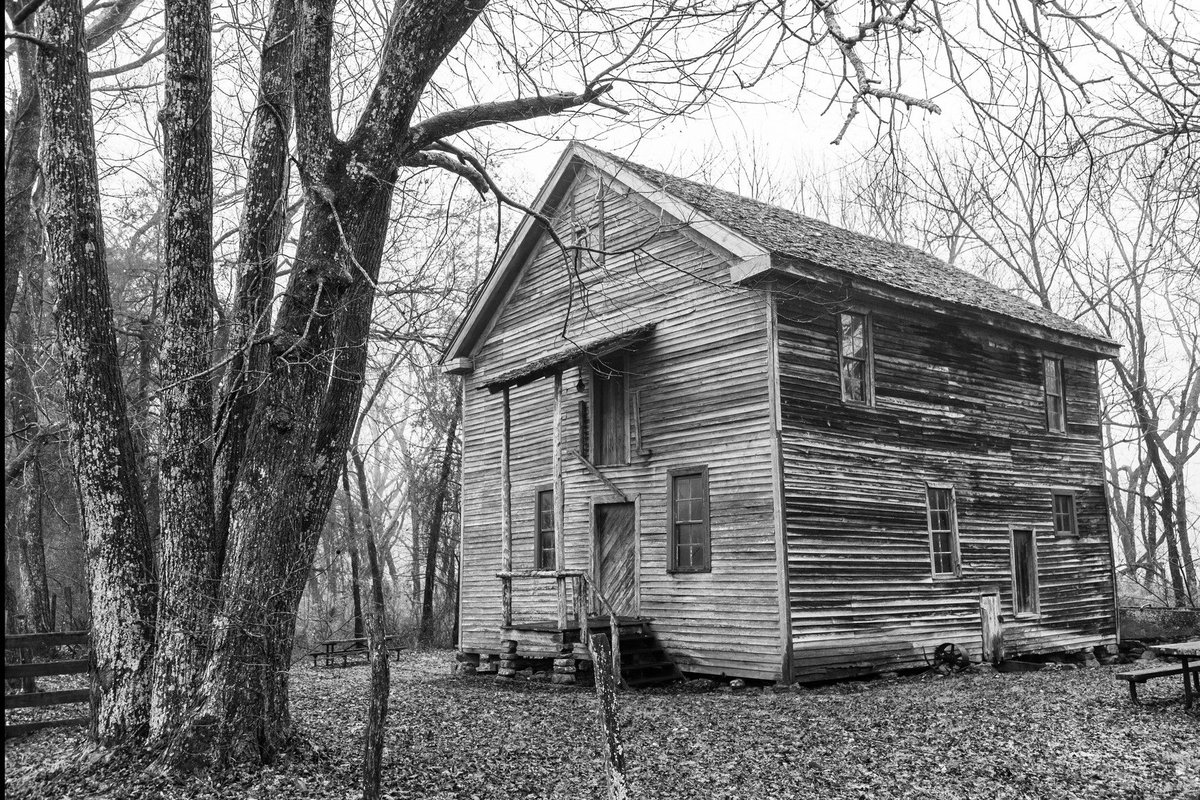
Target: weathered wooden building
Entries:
(799, 452)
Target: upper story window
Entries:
(854, 351)
(609, 412)
(688, 523)
(1065, 523)
(543, 544)
(581, 242)
(943, 531)
(1056, 396)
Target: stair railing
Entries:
(584, 584)
(581, 584)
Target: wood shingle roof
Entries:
(788, 235)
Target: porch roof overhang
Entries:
(567, 356)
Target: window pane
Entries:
(1053, 375)
(942, 543)
(1054, 413)
(854, 380)
(853, 336)
(685, 511)
(689, 533)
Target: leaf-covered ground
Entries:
(1050, 734)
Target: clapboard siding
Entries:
(702, 386)
(955, 403)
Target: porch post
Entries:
(560, 560)
(506, 517)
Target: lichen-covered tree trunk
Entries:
(261, 232)
(189, 574)
(22, 397)
(22, 254)
(297, 441)
(21, 229)
(120, 568)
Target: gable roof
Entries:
(761, 238)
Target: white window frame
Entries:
(955, 550)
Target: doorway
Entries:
(616, 567)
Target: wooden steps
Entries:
(644, 662)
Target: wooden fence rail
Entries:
(24, 644)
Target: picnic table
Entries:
(1185, 652)
(332, 648)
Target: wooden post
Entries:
(614, 754)
(559, 501)
(992, 632)
(615, 628)
(506, 516)
(584, 629)
(575, 595)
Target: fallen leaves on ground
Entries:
(1050, 734)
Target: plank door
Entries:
(615, 566)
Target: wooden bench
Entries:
(1136, 676)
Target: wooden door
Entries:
(615, 566)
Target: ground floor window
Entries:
(688, 524)
(543, 555)
(1024, 572)
(1064, 514)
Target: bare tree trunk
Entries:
(350, 537)
(332, 588)
(436, 514)
(189, 575)
(1166, 504)
(393, 573)
(262, 229)
(1123, 503)
(1185, 544)
(380, 675)
(121, 571)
